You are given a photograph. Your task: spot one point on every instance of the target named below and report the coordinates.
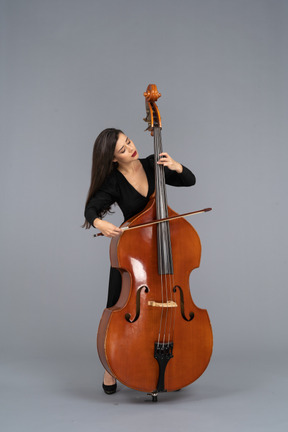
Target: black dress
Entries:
(117, 189)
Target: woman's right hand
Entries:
(107, 228)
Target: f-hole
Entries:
(128, 315)
(191, 314)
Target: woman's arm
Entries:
(175, 173)
(99, 205)
(106, 228)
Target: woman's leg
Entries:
(108, 379)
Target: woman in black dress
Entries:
(119, 176)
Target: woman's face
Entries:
(125, 150)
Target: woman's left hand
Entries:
(166, 160)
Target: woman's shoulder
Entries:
(110, 184)
(148, 161)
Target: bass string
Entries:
(159, 243)
(165, 261)
(167, 283)
(161, 270)
(168, 259)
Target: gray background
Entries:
(70, 69)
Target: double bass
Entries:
(155, 338)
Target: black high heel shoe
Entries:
(109, 389)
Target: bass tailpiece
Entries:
(162, 353)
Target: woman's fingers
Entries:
(108, 229)
(167, 160)
(112, 232)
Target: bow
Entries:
(161, 220)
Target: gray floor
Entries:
(235, 394)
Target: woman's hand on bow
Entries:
(166, 160)
(107, 228)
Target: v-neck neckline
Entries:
(127, 181)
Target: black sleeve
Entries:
(101, 200)
(186, 178)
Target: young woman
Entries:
(119, 176)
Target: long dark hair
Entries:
(102, 163)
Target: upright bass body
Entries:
(155, 338)
(129, 331)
